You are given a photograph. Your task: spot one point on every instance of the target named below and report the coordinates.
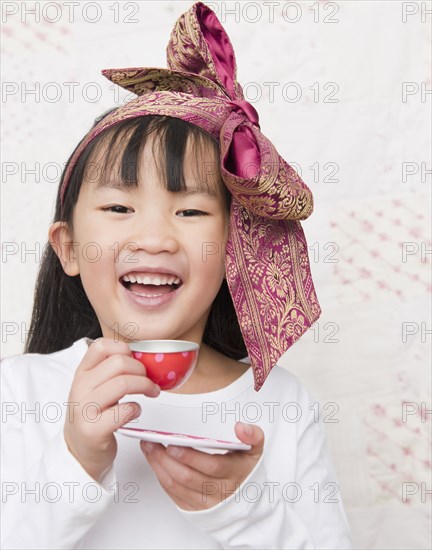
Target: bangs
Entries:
(115, 156)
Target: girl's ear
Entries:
(60, 238)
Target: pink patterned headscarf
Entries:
(267, 264)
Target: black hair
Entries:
(62, 312)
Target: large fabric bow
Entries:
(267, 263)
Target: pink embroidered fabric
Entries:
(267, 263)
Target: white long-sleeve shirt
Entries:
(289, 500)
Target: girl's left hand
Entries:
(196, 480)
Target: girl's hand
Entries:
(196, 480)
(107, 373)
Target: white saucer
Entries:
(183, 440)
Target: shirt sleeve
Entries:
(52, 502)
(305, 513)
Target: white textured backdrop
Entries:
(328, 80)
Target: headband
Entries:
(267, 264)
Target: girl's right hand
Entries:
(106, 374)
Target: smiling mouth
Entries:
(151, 287)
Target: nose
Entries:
(153, 233)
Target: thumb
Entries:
(126, 412)
(251, 435)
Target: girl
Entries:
(175, 219)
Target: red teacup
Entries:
(168, 363)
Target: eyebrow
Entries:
(190, 191)
(109, 185)
(198, 191)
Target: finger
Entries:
(199, 492)
(125, 412)
(109, 393)
(251, 435)
(101, 349)
(182, 496)
(97, 423)
(181, 503)
(175, 477)
(214, 466)
(113, 366)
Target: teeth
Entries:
(148, 280)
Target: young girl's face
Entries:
(155, 234)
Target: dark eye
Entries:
(117, 208)
(189, 213)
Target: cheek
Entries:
(212, 254)
(96, 264)
(96, 241)
(212, 268)
(212, 244)
(208, 253)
